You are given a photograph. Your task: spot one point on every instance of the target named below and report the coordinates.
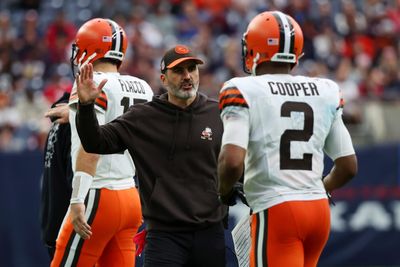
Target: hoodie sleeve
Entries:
(94, 138)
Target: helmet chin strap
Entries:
(253, 69)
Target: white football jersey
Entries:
(285, 123)
(114, 171)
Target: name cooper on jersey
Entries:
(293, 89)
(132, 86)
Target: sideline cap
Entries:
(176, 55)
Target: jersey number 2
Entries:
(304, 135)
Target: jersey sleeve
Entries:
(230, 96)
(73, 98)
(338, 96)
(338, 142)
(235, 116)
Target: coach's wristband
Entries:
(80, 186)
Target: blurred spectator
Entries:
(349, 88)
(393, 14)
(188, 21)
(138, 25)
(239, 14)
(389, 63)
(360, 37)
(215, 14)
(7, 141)
(56, 86)
(29, 45)
(327, 46)
(9, 121)
(8, 32)
(59, 35)
(34, 126)
(162, 19)
(230, 63)
(8, 114)
(372, 86)
(349, 20)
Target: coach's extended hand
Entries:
(87, 89)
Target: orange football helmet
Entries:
(271, 36)
(98, 38)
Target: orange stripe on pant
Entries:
(292, 233)
(115, 216)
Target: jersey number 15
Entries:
(126, 102)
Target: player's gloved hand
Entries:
(78, 220)
(230, 198)
(140, 241)
(240, 193)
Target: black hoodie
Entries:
(56, 179)
(175, 152)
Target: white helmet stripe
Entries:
(116, 36)
(287, 31)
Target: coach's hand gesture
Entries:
(88, 90)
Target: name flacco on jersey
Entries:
(293, 88)
(132, 86)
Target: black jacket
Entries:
(175, 152)
(56, 179)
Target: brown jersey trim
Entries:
(232, 97)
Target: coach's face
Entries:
(182, 81)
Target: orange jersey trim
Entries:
(101, 101)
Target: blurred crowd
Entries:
(354, 42)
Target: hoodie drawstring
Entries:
(174, 131)
(188, 137)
